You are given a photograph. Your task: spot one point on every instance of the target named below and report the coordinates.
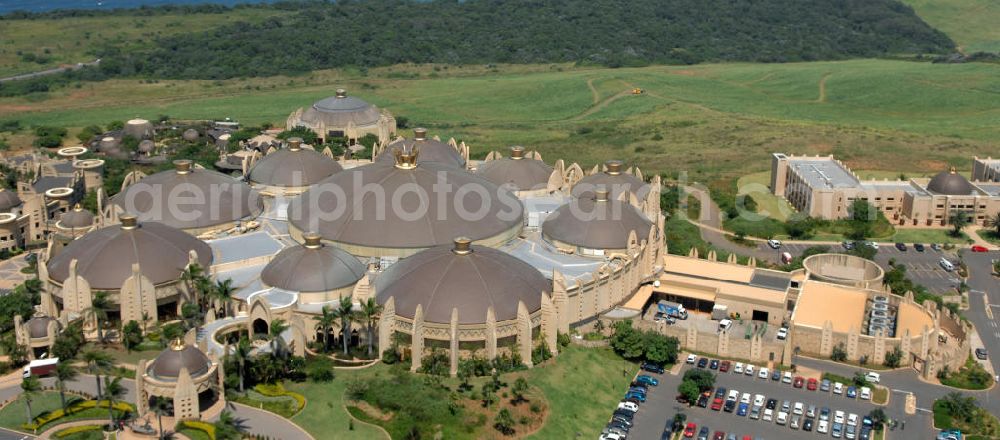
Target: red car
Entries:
(978, 248)
(689, 430)
(717, 404)
(798, 382)
(724, 367)
(811, 384)
(719, 435)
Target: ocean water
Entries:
(49, 5)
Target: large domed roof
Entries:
(471, 278)
(8, 200)
(105, 256)
(204, 198)
(293, 166)
(613, 180)
(38, 326)
(950, 183)
(428, 150)
(522, 173)
(77, 218)
(167, 366)
(596, 223)
(339, 110)
(312, 267)
(399, 206)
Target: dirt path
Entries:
(596, 97)
(822, 88)
(597, 107)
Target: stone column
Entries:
(185, 398)
(417, 339)
(548, 324)
(723, 349)
(561, 301)
(692, 338)
(524, 333)
(491, 334)
(453, 348)
(141, 403)
(905, 346)
(385, 325)
(826, 339)
(852, 344)
(878, 356)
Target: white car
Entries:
(748, 370)
(838, 388)
(758, 400)
(610, 436)
(872, 377)
(628, 406)
(823, 427)
(838, 417)
(866, 393)
(946, 265)
(733, 395)
(852, 419)
(798, 409)
(691, 358)
(774, 244)
(782, 418)
(764, 373)
(787, 377)
(768, 415)
(738, 369)
(872, 244)
(725, 324)
(782, 333)
(745, 398)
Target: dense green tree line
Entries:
(603, 32)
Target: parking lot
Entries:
(661, 406)
(921, 267)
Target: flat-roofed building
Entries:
(986, 170)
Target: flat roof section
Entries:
(705, 289)
(823, 173)
(769, 279)
(990, 188)
(914, 318)
(821, 302)
(708, 269)
(243, 247)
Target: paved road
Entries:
(52, 71)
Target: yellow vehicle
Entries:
(637, 91)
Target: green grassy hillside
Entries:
(973, 24)
(713, 121)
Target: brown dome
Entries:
(8, 200)
(470, 278)
(366, 220)
(38, 327)
(612, 179)
(312, 267)
(168, 365)
(429, 150)
(339, 110)
(521, 173)
(105, 256)
(950, 183)
(223, 199)
(190, 135)
(77, 218)
(596, 223)
(293, 167)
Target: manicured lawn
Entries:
(324, 414)
(989, 235)
(972, 376)
(757, 185)
(14, 415)
(971, 23)
(582, 388)
(927, 236)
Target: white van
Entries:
(946, 265)
(872, 377)
(725, 324)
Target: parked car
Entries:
(811, 411)
(714, 364)
(981, 353)
(628, 406)
(823, 427)
(730, 406)
(702, 363)
(848, 245)
(837, 431)
(652, 368)
(873, 377)
(824, 414)
(738, 368)
(798, 409)
(755, 412)
(901, 247)
(774, 244)
(946, 265)
(611, 436)
(786, 406)
(918, 247)
(720, 392)
(850, 432)
(852, 392)
(936, 246)
(717, 404)
(691, 359)
(852, 419)
(782, 333)
(872, 244)
(782, 418)
(866, 393)
(799, 381)
(703, 400)
(703, 433)
(764, 373)
(839, 416)
(689, 430)
(758, 400)
(776, 375)
(795, 422)
(807, 425)
(637, 396)
(768, 415)
(979, 248)
(748, 370)
(724, 367)
(772, 403)
(719, 435)
(787, 377)
(745, 398)
(838, 388)
(743, 409)
(648, 380)
(811, 384)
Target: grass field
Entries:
(970, 23)
(73, 40)
(713, 121)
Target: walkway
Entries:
(10, 272)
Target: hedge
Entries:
(75, 407)
(278, 390)
(78, 429)
(207, 428)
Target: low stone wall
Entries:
(722, 344)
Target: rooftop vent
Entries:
(614, 167)
(517, 153)
(463, 246)
(183, 166)
(341, 93)
(294, 144)
(420, 134)
(601, 195)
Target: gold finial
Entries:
(517, 152)
(294, 144)
(601, 195)
(177, 344)
(614, 167)
(420, 134)
(312, 240)
(341, 93)
(463, 246)
(77, 207)
(128, 221)
(183, 166)
(953, 170)
(404, 160)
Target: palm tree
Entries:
(324, 322)
(192, 273)
(160, 406)
(222, 292)
(345, 314)
(993, 221)
(958, 220)
(278, 326)
(29, 387)
(98, 312)
(370, 310)
(227, 427)
(204, 287)
(97, 362)
(65, 372)
(242, 354)
(113, 390)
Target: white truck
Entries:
(40, 367)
